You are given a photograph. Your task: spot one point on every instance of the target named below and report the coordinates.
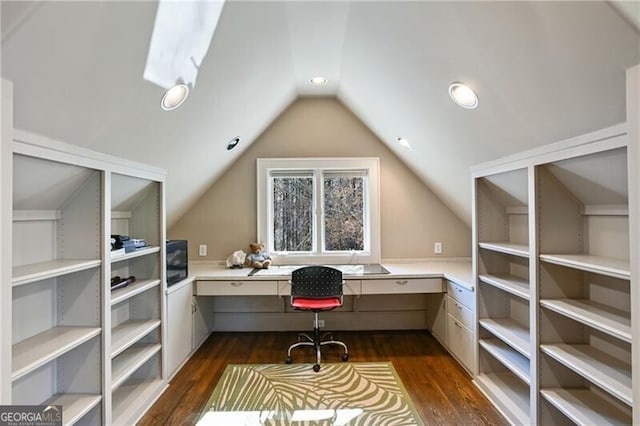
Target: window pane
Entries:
(292, 213)
(343, 213)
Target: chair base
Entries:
(317, 342)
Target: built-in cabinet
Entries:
(73, 341)
(460, 323)
(552, 266)
(180, 325)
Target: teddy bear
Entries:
(257, 257)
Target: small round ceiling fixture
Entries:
(233, 143)
(174, 97)
(463, 95)
(404, 143)
(318, 81)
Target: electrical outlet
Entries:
(202, 251)
(320, 323)
(437, 248)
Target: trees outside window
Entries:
(319, 210)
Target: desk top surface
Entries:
(458, 272)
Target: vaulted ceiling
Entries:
(543, 71)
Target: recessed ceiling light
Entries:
(463, 95)
(318, 81)
(233, 143)
(174, 97)
(404, 143)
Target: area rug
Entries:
(354, 393)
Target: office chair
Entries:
(316, 289)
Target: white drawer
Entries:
(236, 288)
(403, 285)
(460, 340)
(460, 312)
(461, 294)
(350, 287)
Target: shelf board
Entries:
(512, 284)
(600, 265)
(129, 332)
(26, 274)
(74, 405)
(514, 361)
(42, 348)
(508, 394)
(129, 361)
(606, 319)
(611, 375)
(137, 253)
(510, 332)
(582, 406)
(520, 250)
(131, 399)
(129, 291)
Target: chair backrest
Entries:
(316, 282)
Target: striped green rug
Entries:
(354, 393)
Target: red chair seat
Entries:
(316, 304)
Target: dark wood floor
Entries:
(440, 389)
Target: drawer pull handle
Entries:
(236, 284)
(457, 324)
(458, 306)
(403, 282)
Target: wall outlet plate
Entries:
(320, 323)
(202, 250)
(437, 248)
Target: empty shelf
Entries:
(128, 333)
(42, 348)
(596, 366)
(514, 285)
(74, 405)
(514, 361)
(129, 291)
(507, 248)
(606, 319)
(508, 394)
(129, 361)
(583, 406)
(26, 274)
(131, 399)
(509, 331)
(600, 265)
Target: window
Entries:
(319, 210)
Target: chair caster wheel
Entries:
(288, 360)
(345, 357)
(316, 367)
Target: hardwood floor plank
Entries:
(440, 388)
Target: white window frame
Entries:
(371, 166)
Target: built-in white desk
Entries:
(420, 277)
(438, 296)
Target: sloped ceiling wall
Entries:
(543, 71)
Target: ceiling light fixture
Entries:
(463, 95)
(233, 143)
(318, 81)
(404, 143)
(174, 97)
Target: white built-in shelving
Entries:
(584, 407)
(507, 356)
(74, 342)
(510, 332)
(596, 366)
(508, 393)
(510, 283)
(501, 262)
(553, 269)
